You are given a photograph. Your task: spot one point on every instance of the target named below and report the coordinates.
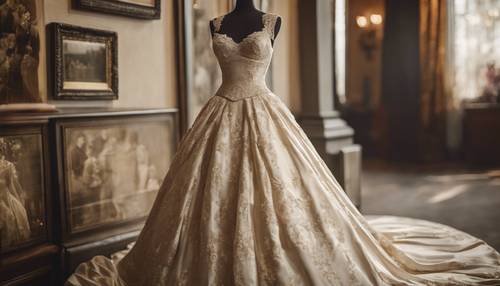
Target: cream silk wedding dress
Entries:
(248, 201)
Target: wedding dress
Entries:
(248, 201)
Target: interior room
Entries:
(249, 142)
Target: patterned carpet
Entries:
(449, 194)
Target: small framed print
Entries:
(110, 168)
(84, 63)
(142, 9)
(24, 191)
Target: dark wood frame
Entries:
(183, 22)
(34, 127)
(73, 256)
(95, 119)
(120, 8)
(35, 266)
(56, 32)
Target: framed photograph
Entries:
(199, 73)
(22, 52)
(109, 247)
(142, 9)
(24, 186)
(84, 63)
(110, 167)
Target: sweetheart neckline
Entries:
(262, 21)
(244, 39)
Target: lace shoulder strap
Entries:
(270, 23)
(217, 22)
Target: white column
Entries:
(331, 136)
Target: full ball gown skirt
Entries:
(248, 201)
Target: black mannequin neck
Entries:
(244, 6)
(244, 20)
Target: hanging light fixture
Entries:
(362, 21)
(369, 26)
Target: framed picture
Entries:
(143, 9)
(199, 72)
(110, 167)
(24, 187)
(109, 247)
(84, 63)
(22, 52)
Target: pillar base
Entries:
(333, 139)
(328, 132)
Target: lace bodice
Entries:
(244, 65)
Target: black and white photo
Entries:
(22, 190)
(110, 170)
(84, 63)
(20, 51)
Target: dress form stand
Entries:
(244, 20)
(329, 133)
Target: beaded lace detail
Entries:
(244, 64)
(217, 23)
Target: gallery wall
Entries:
(146, 54)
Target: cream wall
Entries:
(286, 75)
(146, 54)
(146, 48)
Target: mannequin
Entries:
(244, 20)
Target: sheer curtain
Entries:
(434, 101)
(475, 42)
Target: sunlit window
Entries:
(340, 48)
(475, 43)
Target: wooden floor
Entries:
(468, 200)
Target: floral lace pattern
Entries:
(248, 201)
(244, 64)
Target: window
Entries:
(474, 43)
(340, 49)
